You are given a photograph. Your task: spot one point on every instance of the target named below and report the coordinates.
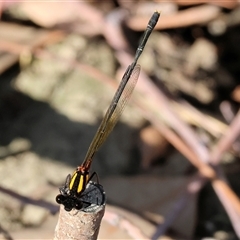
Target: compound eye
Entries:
(78, 205)
(60, 198)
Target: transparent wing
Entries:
(113, 113)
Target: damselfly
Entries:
(71, 193)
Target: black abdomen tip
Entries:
(154, 19)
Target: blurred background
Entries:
(171, 166)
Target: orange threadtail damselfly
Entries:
(71, 193)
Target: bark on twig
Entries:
(78, 224)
